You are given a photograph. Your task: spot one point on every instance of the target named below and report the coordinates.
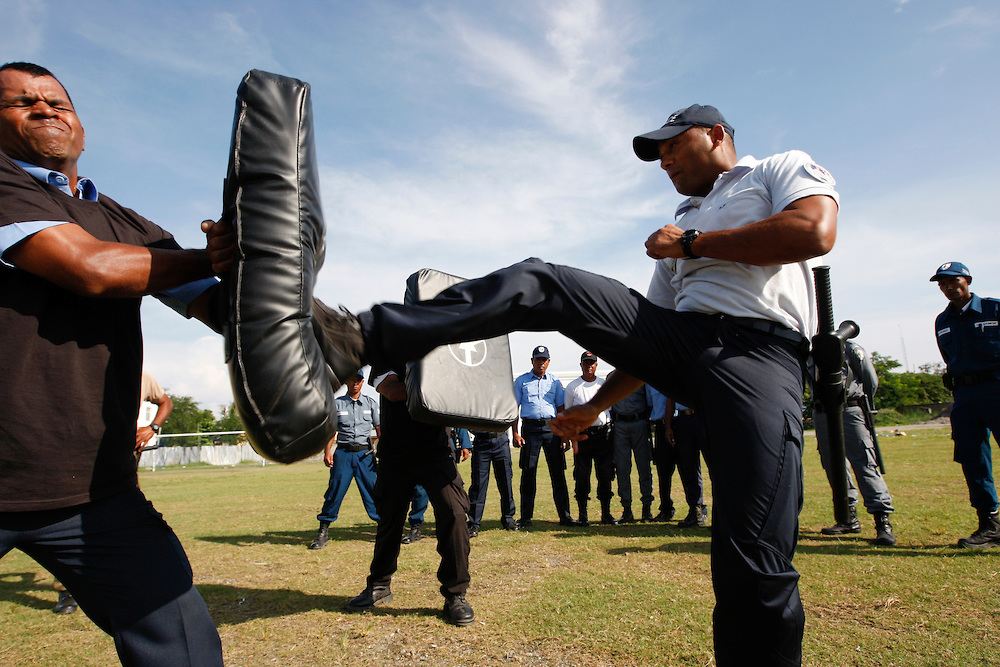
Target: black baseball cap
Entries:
(540, 352)
(647, 146)
(588, 357)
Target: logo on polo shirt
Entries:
(986, 323)
(469, 354)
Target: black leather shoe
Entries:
(627, 516)
(608, 520)
(569, 521)
(696, 516)
(883, 530)
(339, 336)
(511, 526)
(372, 596)
(524, 524)
(414, 535)
(66, 604)
(852, 525)
(473, 530)
(647, 513)
(664, 515)
(458, 611)
(322, 537)
(986, 536)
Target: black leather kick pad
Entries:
(463, 384)
(282, 387)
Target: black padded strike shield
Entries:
(463, 384)
(281, 383)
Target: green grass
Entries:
(638, 594)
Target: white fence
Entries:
(216, 455)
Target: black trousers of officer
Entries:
(491, 452)
(746, 384)
(594, 453)
(683, 455)
(127, 571)
(437, 473)
(538, 439)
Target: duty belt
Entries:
(851, 402)
(597, 430)
(353, 448)
(767, 326)
(976, 378)
(535, 422)
(630, 418)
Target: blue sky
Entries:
(467, 136)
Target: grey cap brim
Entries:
(647, 146)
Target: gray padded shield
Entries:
(463, 384)
(281, 383)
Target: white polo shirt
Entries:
(751, 191)
(580, 391)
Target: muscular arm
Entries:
(805, 228)
(143, 434)
(70, 257)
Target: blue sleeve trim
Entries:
(12, 234)
(179, 298)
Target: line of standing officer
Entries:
(630, 435)
(540, 397)
(349, 456)
(491, 450)
(596, 451)
(968, 336)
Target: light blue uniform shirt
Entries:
(355, 419)
(538, 396)
(657, 402)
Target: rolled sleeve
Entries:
(179, 298)
(14, 233)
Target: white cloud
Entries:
(900, 4)
(21, 30)
(969, 18)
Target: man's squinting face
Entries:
(589, 370)
(38, 123)
(354, 386)
(688, 161)
(955, 288)
(539, 365)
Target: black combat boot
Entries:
(582, 506)
(647, 512)
(627, 516)
(987, 535)
(458, 611)
(607, 518)
(372, 596)
(413, 535)
(696, 516)
(852, 525)
(883, 530)
(322, 536)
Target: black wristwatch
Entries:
(687, 238)
(156, 428)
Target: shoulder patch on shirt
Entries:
(819, 173)
(942, 332)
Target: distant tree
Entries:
(898, 390)
(934, 368)
(229, 420)
(188, 417)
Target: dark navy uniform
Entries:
(969, 341)
(491, 450)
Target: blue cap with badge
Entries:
(647, 146)
(540, 352)
(952, 269)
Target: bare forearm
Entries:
(790, 236)
(615, 388)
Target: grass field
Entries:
(638, 594)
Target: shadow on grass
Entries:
(232, 605)
(362, 533)
(841, 547)
(22, 588)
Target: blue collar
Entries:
(84, 186)
(976, 304)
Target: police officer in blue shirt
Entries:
(968, 335)
(349, 456)
(540, 397)
(491, 450)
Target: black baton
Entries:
(828, 355)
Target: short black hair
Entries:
(34, 70)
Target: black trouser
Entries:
(487, 452)
(684, 455)
(594, 452)
(437, 473)
(538, 440)
(746, 385)
(128, 572)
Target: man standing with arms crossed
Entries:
(724, 330)
(540, 397)
(968, 335)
